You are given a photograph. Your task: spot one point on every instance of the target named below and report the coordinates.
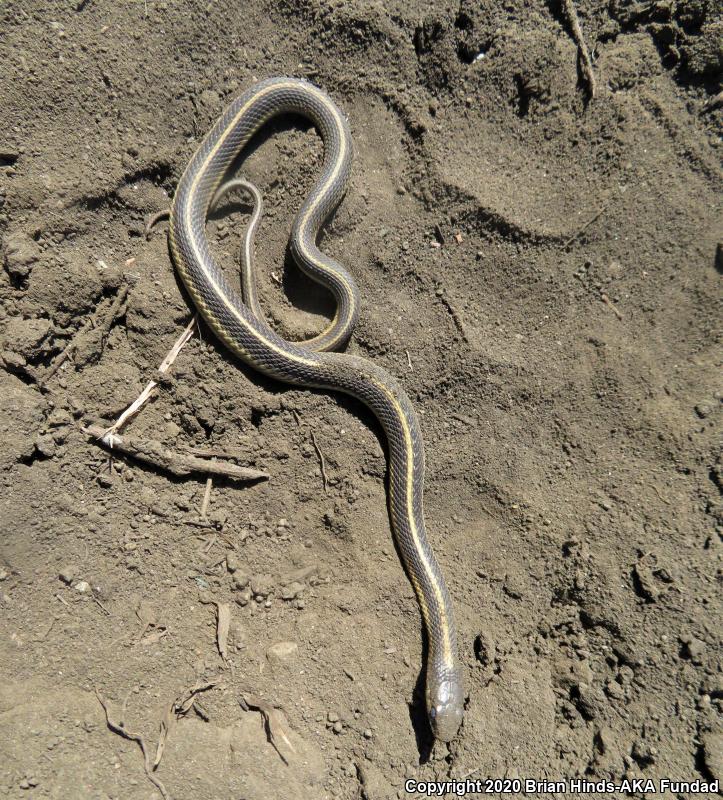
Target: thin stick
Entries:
(582, 230)
(608, 302)
(143, 397)
(236, 453)
(657, 491)
(273, 722)
(60, 360)
(152, 452)
(113, 313)
(206, 497)
(117, 727)
(321, 461)
(455, 317)
(223, 623)
(583, 52)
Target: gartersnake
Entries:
(243, 330)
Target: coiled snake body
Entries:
(242, 329)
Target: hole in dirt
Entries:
(523, 96)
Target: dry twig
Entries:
(582, 230)
(223, 624)
(608, 302)
(322, 462)
(206, 497)
(273, 722)
(455, 316)
(119, 728)
(152, 452)
(582, 51)
(144, 396)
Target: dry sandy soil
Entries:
(566, 374)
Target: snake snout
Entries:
(446, 708)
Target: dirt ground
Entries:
(540, 271)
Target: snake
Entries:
(236, 319)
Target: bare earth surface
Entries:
(568, 382)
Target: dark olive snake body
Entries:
(243, 330)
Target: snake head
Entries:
(445, 706)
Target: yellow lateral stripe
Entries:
(447, 654)
(201, 171)
(201, 264)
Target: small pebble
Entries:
(693, 648)
(46, 447)
(243, 597)
(240, 580)
(262, 586)
(292, 590)
(282, 652)
(67, 573)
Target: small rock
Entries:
(645, 582)
(332, 716)
(82, 587)
(693, 648)
(513, 587)
(209, 98)
(338, 727)
(262, 586)
(282, 652)
(587, 701)
(172, 431)
(68, 573)
(110, 276)
(240, 580)
(626, 655)
(292, 590)
(604, 740)
(705, 409)
(643, 753)
(21, 252)
(614, 690)
(13, 360)
(26, 336)
(45, 446)
(368, 733)
(244, 597)
(233, 562)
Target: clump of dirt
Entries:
(538, 270)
